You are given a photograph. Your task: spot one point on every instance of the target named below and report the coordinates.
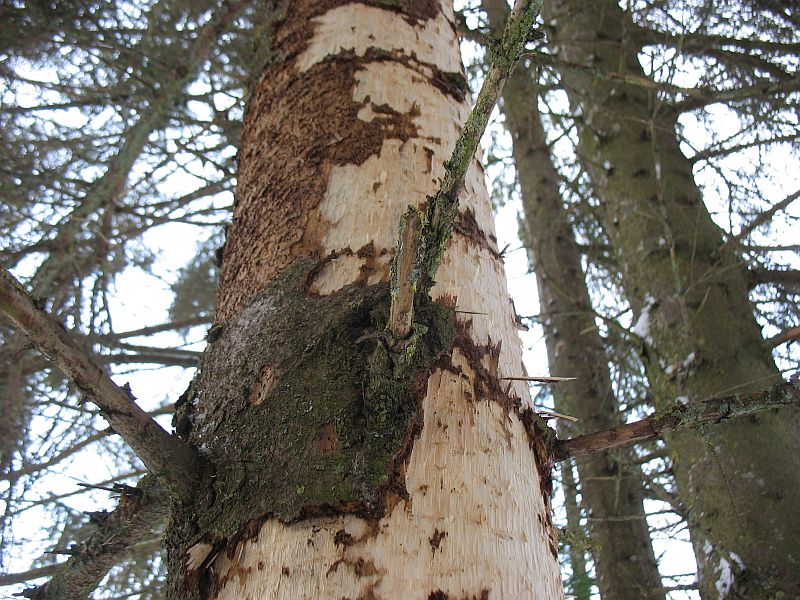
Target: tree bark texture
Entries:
(741, 479)
(335, 469)
(610, 481)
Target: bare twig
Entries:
(164, 455)
(763, 218)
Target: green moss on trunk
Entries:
(300, 409)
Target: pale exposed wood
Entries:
(475, 521)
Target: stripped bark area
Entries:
(315, 113)
(352, 458)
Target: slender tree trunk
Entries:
(741, 480)
(610, 482)
(334, 470)
(580, 585)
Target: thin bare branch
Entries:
(763, 218)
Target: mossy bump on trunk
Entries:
(300, 410)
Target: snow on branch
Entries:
(164, 455)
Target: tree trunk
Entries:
(335, 468)
(610, 481)
(580, 584)
(740, 480)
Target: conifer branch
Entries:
(139, 509)
(164, 455)
(441, 210)
(680, 416)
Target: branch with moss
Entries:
(139, 510)
(692, 415)
(789, 278)
(164, 455)
(424, 250)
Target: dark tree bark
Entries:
(741, 479)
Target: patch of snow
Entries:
(642, 326)
(725, 581)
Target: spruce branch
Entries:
(164, 455)
(680, 416)
(139, 509)
(439, 215)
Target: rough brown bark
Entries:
(741, 479)
(610, 481)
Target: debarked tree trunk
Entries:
(335, 468)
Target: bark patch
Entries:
(297, 127)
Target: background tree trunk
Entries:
(610, 481)
(740, 481)
(333, 469)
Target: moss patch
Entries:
(300, 409)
